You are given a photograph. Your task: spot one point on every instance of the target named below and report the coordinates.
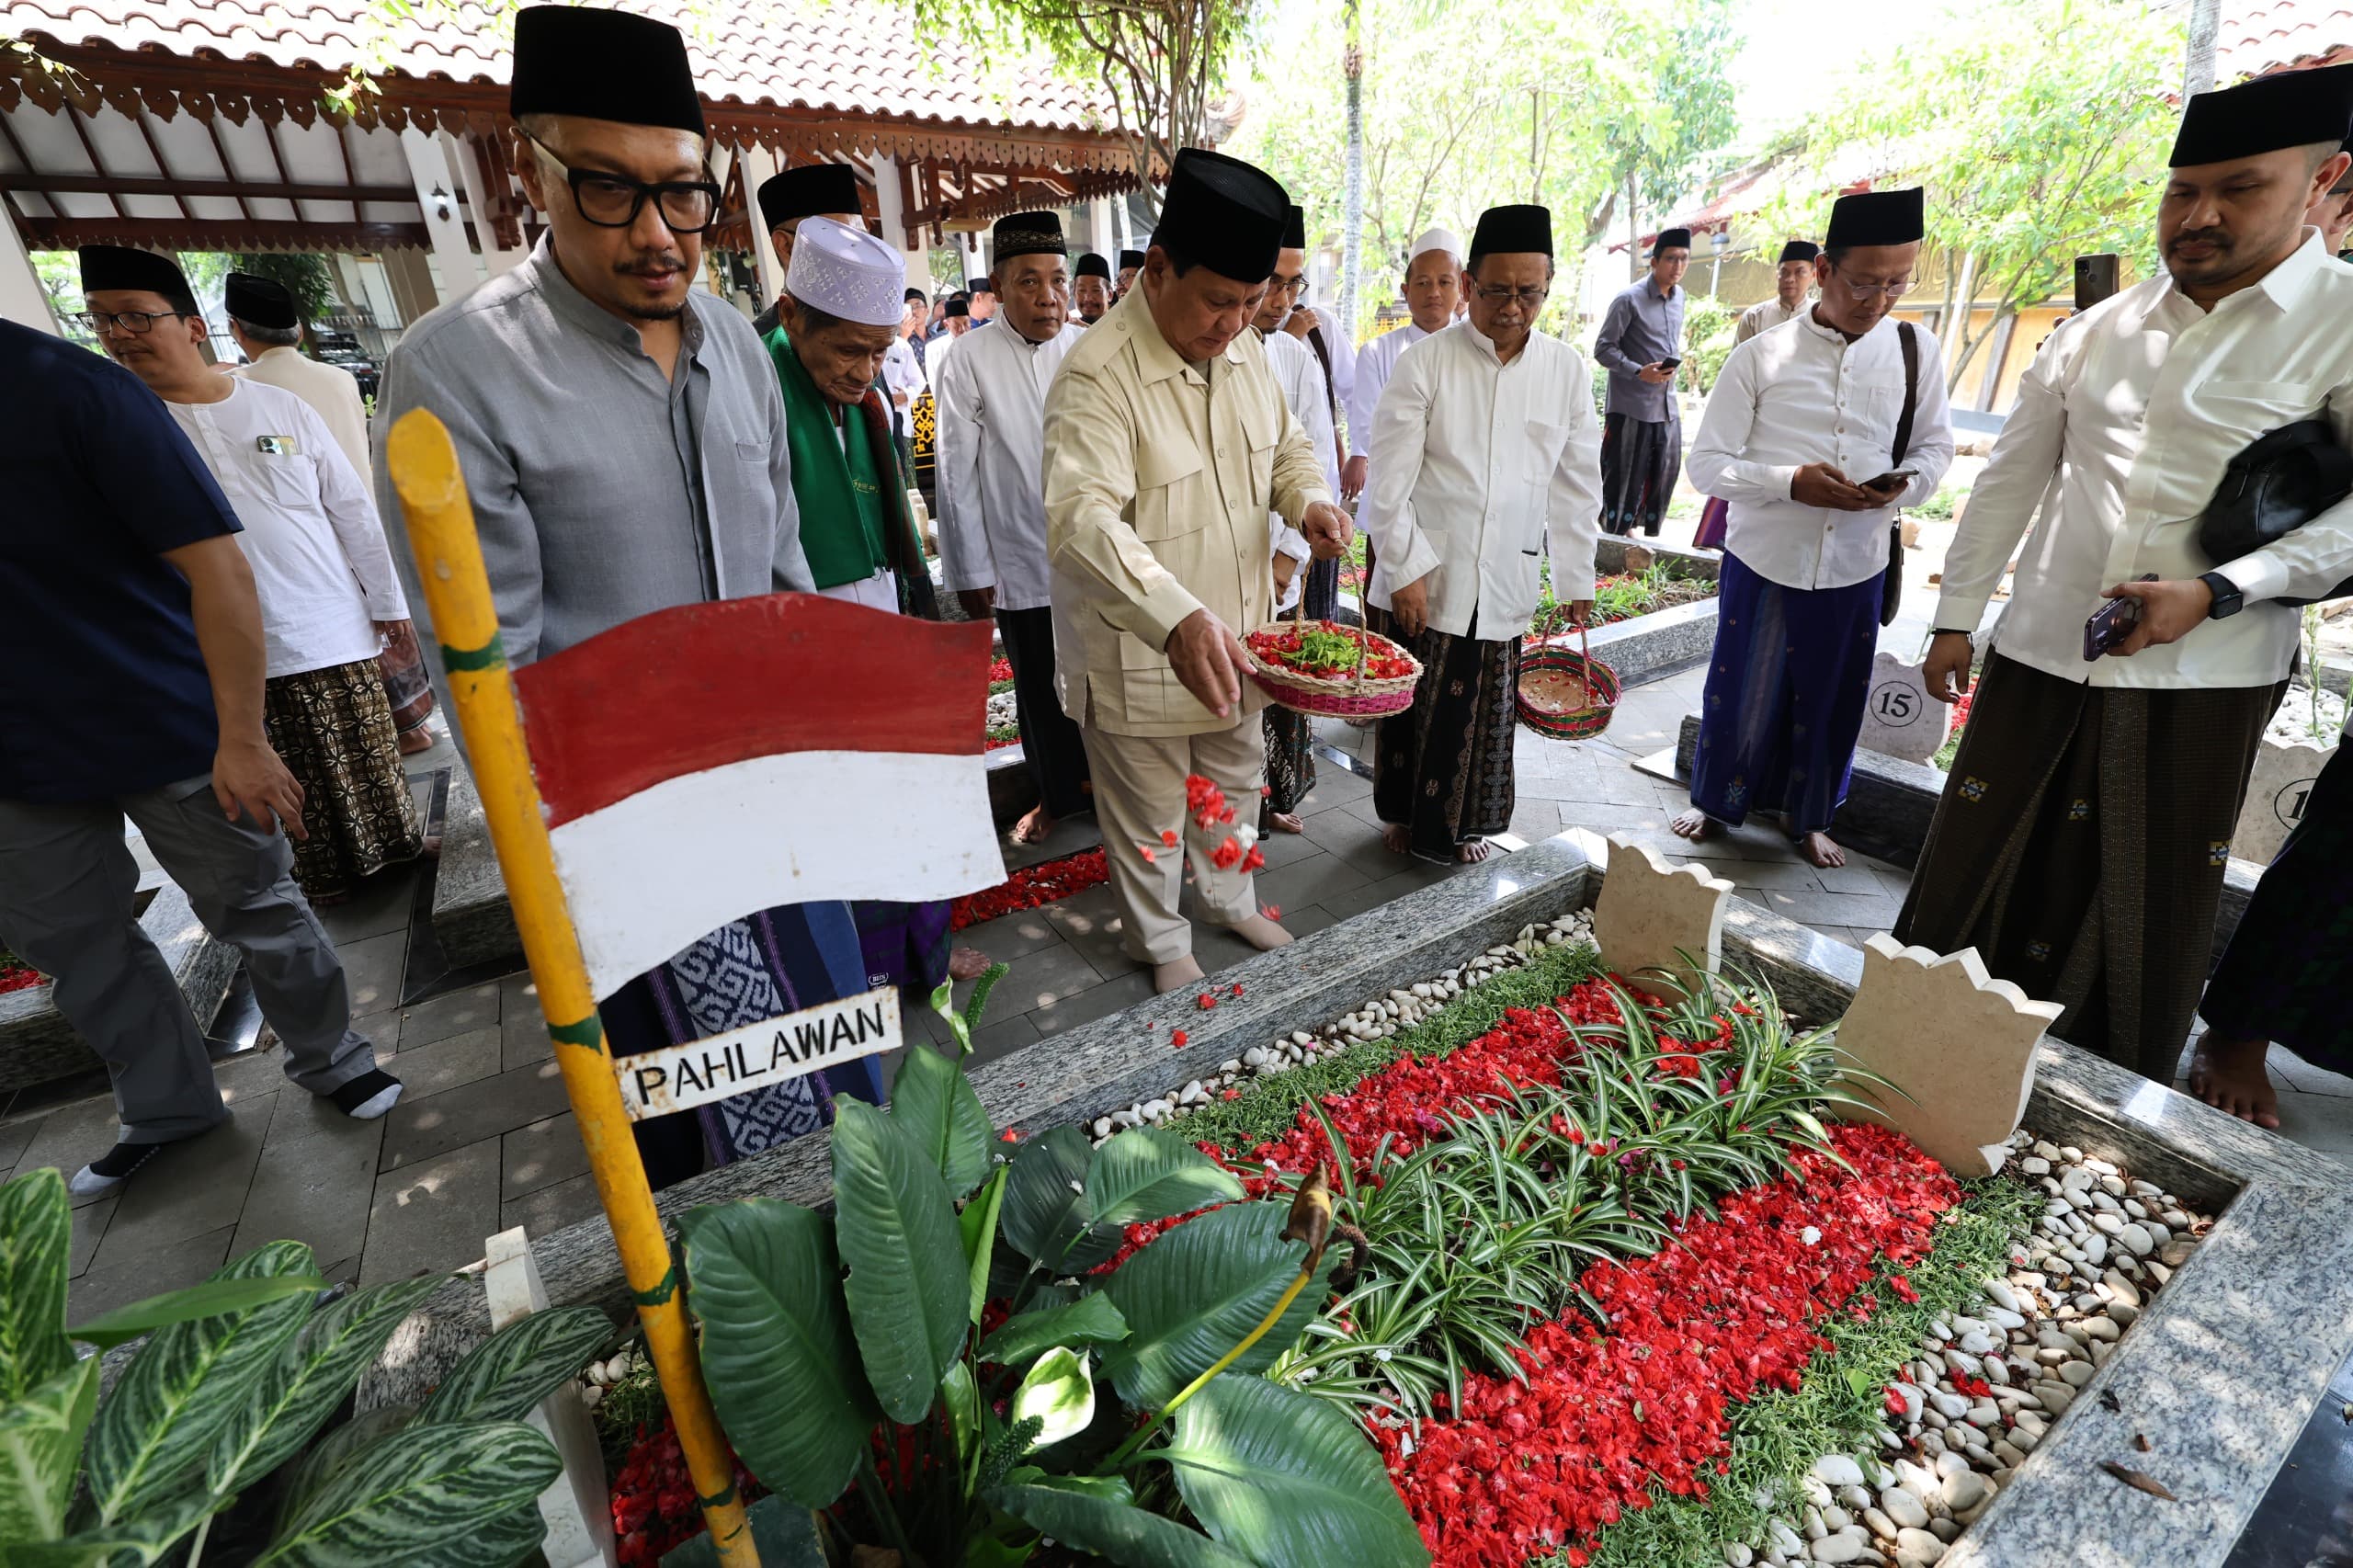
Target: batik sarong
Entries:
(1640, 462)
(334, 731)
(2285, 975)
(2080, 848)
(1784, 704)
(1442, 769)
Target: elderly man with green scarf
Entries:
(844, 294)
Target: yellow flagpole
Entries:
(424, 467)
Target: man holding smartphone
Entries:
(2083, 834)
(1639, 346)
(1817, 430)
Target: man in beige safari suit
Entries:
(1169, 443)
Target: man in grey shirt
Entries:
(1638, 345)
(621, 432)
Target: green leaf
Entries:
(505, 1375)
(133, 1542)
(1119, 1532)
(1058, 1395)
(943, 1002)
(1046, 1216)
(1145, 1174)
(36, 1231)
(978, 1224)
(764, 1284)
(283, 1411)
(220, 1296)
(1091, 1320)
(332, 1452)
(785, 1535)
(189, 1382)
(429, 1497)
(1289, 1480)
(1859, 1381)
(962, 1398)
(934, 1105)
(908, 1286)
(40, 1452)
(1193, 1294)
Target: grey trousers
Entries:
(66, 881)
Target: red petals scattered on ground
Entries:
(1726, 1311)
(1176, 1041)
(654, 1498)
(18, 977)
(1205, 1001)
(1046, 883)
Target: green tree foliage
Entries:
(2039, 130)
(1477, 102)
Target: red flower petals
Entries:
(1205, 1001)
(1049, 881)
(1169, 838)
(1177, 1039)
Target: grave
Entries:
(37, 1046)
(2227, 1366)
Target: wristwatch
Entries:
(1952, 631)
(2228, 600)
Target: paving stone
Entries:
(1856, 876)
(1004, 1036)
(314, 1190)
(1311, 880)
(1282, 848)
(189, 1188)
(15, 1137)
(1070, 836)
(419, 1130)
(552, 1208)
(1355, 843)
(90, 1222)
(1533, 819)
(1009, 936)
(1037, 979)
(250, 1074)
(433, 1214)
(71, 1136)
(383, 1031)
(1090, 923)
(149, 1271)
(378, 907)
(1334, 786)
(1302, 921)
(1792, 874)
(1417, 875)
(522, 1028)
(1874, 911)
(447, 1064)
(459, 1012)
(371, 967)
(541, 1155)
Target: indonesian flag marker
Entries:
(680, 771)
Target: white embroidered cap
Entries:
(847, 273)
(1437, 239)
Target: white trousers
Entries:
(1140, 795)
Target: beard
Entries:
(656, 261)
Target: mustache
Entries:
(2219, 238)
(652, 261)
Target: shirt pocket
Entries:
(752, 452)
(289, 480)
(1167, 505)
(1261, 443)
(1545, 441)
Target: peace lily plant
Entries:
(227, 1401)
(1107, 1413)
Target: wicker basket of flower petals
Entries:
(1565, 693)
(1344, 672)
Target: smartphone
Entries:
(1668, 364)
(2112, 623)
(1894, 479)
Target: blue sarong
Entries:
(1784, 705)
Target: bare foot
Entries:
(1820, 850)
(1285, 822)
(1470, 851)
(1176, 974)
(1260, 932)
(1394, 839)
(411, 742)
(1033, 828)
(1695, 824)
(967, 963)
(2228, 1074)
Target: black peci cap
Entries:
(1028, 234)
(2290, 109)
(602, 65)
(1131, 259)
(1799, 250)
(1092, 266)
(1671, 239)
(1877, 218)
(259, 302)
(1227, 215)
(807, 191)
(121, 267)
(1295, 228)
(1518, 228)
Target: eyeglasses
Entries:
(1279, 284)
(1498, 295)
(1894, 291)
(613, 201)
(138, 323)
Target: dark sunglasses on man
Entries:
(613, 201)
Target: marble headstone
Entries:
(1900, 719)
(2282, 780)
(1957, 1047)
(577, 1507)
(1652, 914)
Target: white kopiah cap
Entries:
(847, 273)
(1437, 239)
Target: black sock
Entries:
(360, 1090)
(123, 1159)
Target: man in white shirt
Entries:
(1290, 737)
(1433, 289)
(267, 326)
(1814, 434)
(2083, 836)
(2333, 214)
(328, 592)
(1793, 277)
(991, 404)
(1091, 288)
(1486, 449)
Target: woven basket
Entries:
(1565, 693)
(1340, 696)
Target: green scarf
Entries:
(837, 482)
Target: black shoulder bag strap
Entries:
(1891, 590)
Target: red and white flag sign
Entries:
(704, 762)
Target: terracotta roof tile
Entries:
(855, 56)
(2257, 36)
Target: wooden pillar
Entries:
(490, 201)
(411, 277)
(436, 192)
(759, 167)
(891, 212)
(22, 298)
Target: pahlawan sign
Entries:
(680, 1077)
